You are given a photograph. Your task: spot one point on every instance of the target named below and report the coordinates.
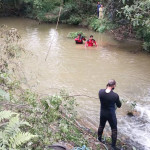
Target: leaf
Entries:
(6, 114)
(74, 34)
(13, 126)
(21, 138)
(11, 136)
(4, 95)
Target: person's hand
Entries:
(85, 45)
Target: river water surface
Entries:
(83, 71)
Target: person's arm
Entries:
(95, 43)
(118, 102)
(86, 44)
(76, 39)
(83, 38)
(99, 94)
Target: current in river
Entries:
(83, 71)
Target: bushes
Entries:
(67, 11)
(75, 34)
(74, 20)
(144, 33)
(138, 15)
(100, 25)
(146, 46)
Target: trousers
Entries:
(111, 118)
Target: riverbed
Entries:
(53, 62)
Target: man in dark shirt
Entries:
(109, 100)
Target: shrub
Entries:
(100, 25)
(74, 34)
(138, 15)
(75, 20)
(67, 11)
(146, 46)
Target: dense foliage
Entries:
(138, 14)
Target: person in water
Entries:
(109, 100)
(79, 39)
(90, 42)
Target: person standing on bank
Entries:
(101, 12)
(109, 100)
(98, 6)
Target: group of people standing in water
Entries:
(90, 42)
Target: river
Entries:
(83, 71)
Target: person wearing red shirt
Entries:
(79, 39)
(90, 42)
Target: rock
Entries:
(61, 146)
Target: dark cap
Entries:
(111, 82)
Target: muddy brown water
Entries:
(83, 71)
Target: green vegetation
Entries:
(11, 136)
(75, 34)
(138, 15)
(100, 25)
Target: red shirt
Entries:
(90, 42)
(79, 39)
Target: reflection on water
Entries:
(85, 70)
